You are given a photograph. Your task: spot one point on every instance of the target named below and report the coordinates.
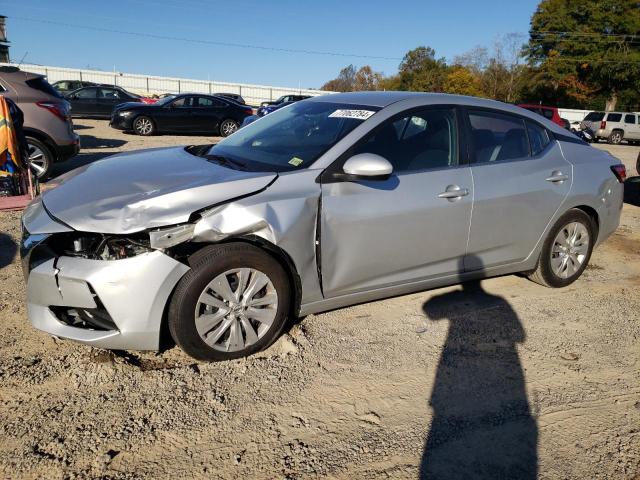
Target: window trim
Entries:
(327, 176)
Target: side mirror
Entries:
(366, 166)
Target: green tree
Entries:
(420, 71)
(462, 81)
(351, 80)
(578, 48)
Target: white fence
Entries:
(148, 84)
(573, 115)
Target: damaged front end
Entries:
(108, 291)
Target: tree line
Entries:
(578, 54)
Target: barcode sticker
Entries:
(356, 114)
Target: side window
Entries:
(614, 117)
(87, 93)
(65, 85)
(108, 93)
(538, 138)
(206, 102)
(497, 136)
(423, 140)
(630, 119)
(184, 102)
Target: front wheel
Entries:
(233, 302)
(227, 127)
(566, 251)
(144, 126)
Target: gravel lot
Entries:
(549, 381)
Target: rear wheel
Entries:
(144, 126)
(566, 251)
(40, 158)
(616, 137)
(227, 127)
(233, 302)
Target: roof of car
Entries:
(384, 99)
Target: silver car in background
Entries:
(332, 201)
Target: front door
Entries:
(413, 226)
(520, 180)
(177, 116)
(631, 127)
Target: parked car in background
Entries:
(267, 109)
(286, 98)
(98, 101)
(232, 96)
(335, 201)
(66, 86)
(550, 113)
(47, 119)
(614, 126)
(185, 113)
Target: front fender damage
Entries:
(284, 215)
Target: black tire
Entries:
(544, 274)
(41, 158)
(144, 126)
(206, 265)
(616, 137)
(227, 127)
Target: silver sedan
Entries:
(332, 201)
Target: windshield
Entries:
(165, 100)
(292, 137)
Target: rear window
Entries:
(614, 117)
(547, 113)
(40, 84)
(594, 116)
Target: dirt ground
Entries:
(545, 383)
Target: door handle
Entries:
(557, 177)
(453, 192)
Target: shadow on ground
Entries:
(482, 425)
(8, 249)
(632, 191)
(88, 142)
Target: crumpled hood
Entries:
(133, 191)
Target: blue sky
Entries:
(369, 28)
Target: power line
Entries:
(205, 42)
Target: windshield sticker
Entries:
(357, 114)
(296, 162)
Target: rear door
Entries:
(411, 227)
(520, 180)
(631, 127)
(84, 101)
(208, 112)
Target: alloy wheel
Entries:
(570, 249)
(228, 127)
(236, 309)
(144, 126)
(38, 160)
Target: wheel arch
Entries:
(592, 213)
(44, 138)
(279, 254)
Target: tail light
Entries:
(620, 172)
(249, 111)
(603, 125)
(56, 108)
